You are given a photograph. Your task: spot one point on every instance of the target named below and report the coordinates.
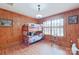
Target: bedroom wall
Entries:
(12, 35)
(71, 31)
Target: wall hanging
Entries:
(73, 19)
(5, 22)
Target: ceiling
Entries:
(46, 9)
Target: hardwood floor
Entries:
(39, 48)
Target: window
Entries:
(57, 27)
(46, 27)
(54, 27)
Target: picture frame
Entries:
(73, 19)
(6, 23)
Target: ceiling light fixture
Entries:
(38, 15)
(38, 7)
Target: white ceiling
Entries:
(46, 9)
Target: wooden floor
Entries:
(39, 48)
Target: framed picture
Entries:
(73, 19)
(4, 22)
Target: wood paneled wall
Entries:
(71, 31)
(13, 35)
